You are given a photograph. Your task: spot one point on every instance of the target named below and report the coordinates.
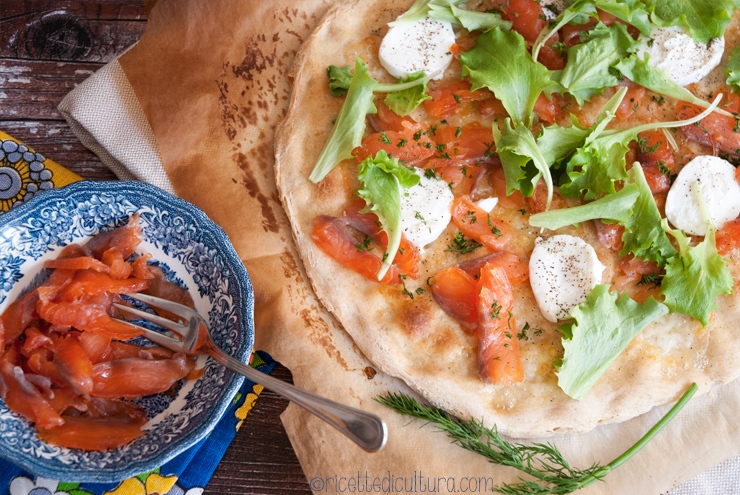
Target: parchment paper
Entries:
(212, 78)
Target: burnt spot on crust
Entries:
(416, 318)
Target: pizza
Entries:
(527, 212)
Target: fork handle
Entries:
(365, 429)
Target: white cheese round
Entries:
(714, 179)
(678, 55)
(425, 210)
(417, 46)
(562, 271)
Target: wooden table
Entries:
(46, 48)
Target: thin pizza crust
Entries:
(414, 339)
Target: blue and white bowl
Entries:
(195, 252)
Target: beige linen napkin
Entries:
(202, 92)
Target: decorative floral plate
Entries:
(195, 252)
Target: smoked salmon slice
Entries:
(23, 397)
(134, 377)
(18, 315)
(81, 263)
(477, 224)
(119, 268)
(498, 347)
(456, 292)
(96, 283)
(340, 238)
(456, 288)
(93, 433)
(84, 316)
(126, 239)
(74, 365)
(516, 271)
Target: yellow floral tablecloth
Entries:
(25, 173)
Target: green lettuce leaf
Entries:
(556, 142)
(643, 234)
(501, 62)
(704, 20)
(471, 20)
(732, 69)
(615, 207)
(525, 160)
(587, 71)
(350, 124)
(604, 326)
(339, 79)
(695, 277)
(420, 10)
(404, 102)
(521, 159)
(632, 12)
(654, 79)
(349, 127)
(383, 180)
(447, 10)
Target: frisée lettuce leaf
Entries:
(732, 69)
(595, 167)
(448, 10)
(521, 159)
(349, 126)
(383, 180)
(703, 19)
(588, 70)
(339, 79)
(633, 12)
(695, 277)
(501, 62)
(404, 102)
(604, 326)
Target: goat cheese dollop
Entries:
(562, 271)
(417, 46)
(425, 210)
(679, 56)
(714, 179)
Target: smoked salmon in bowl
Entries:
(81, 398)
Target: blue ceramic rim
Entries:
(209, 229)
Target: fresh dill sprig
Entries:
(551, 472)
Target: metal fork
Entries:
(365, 429)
